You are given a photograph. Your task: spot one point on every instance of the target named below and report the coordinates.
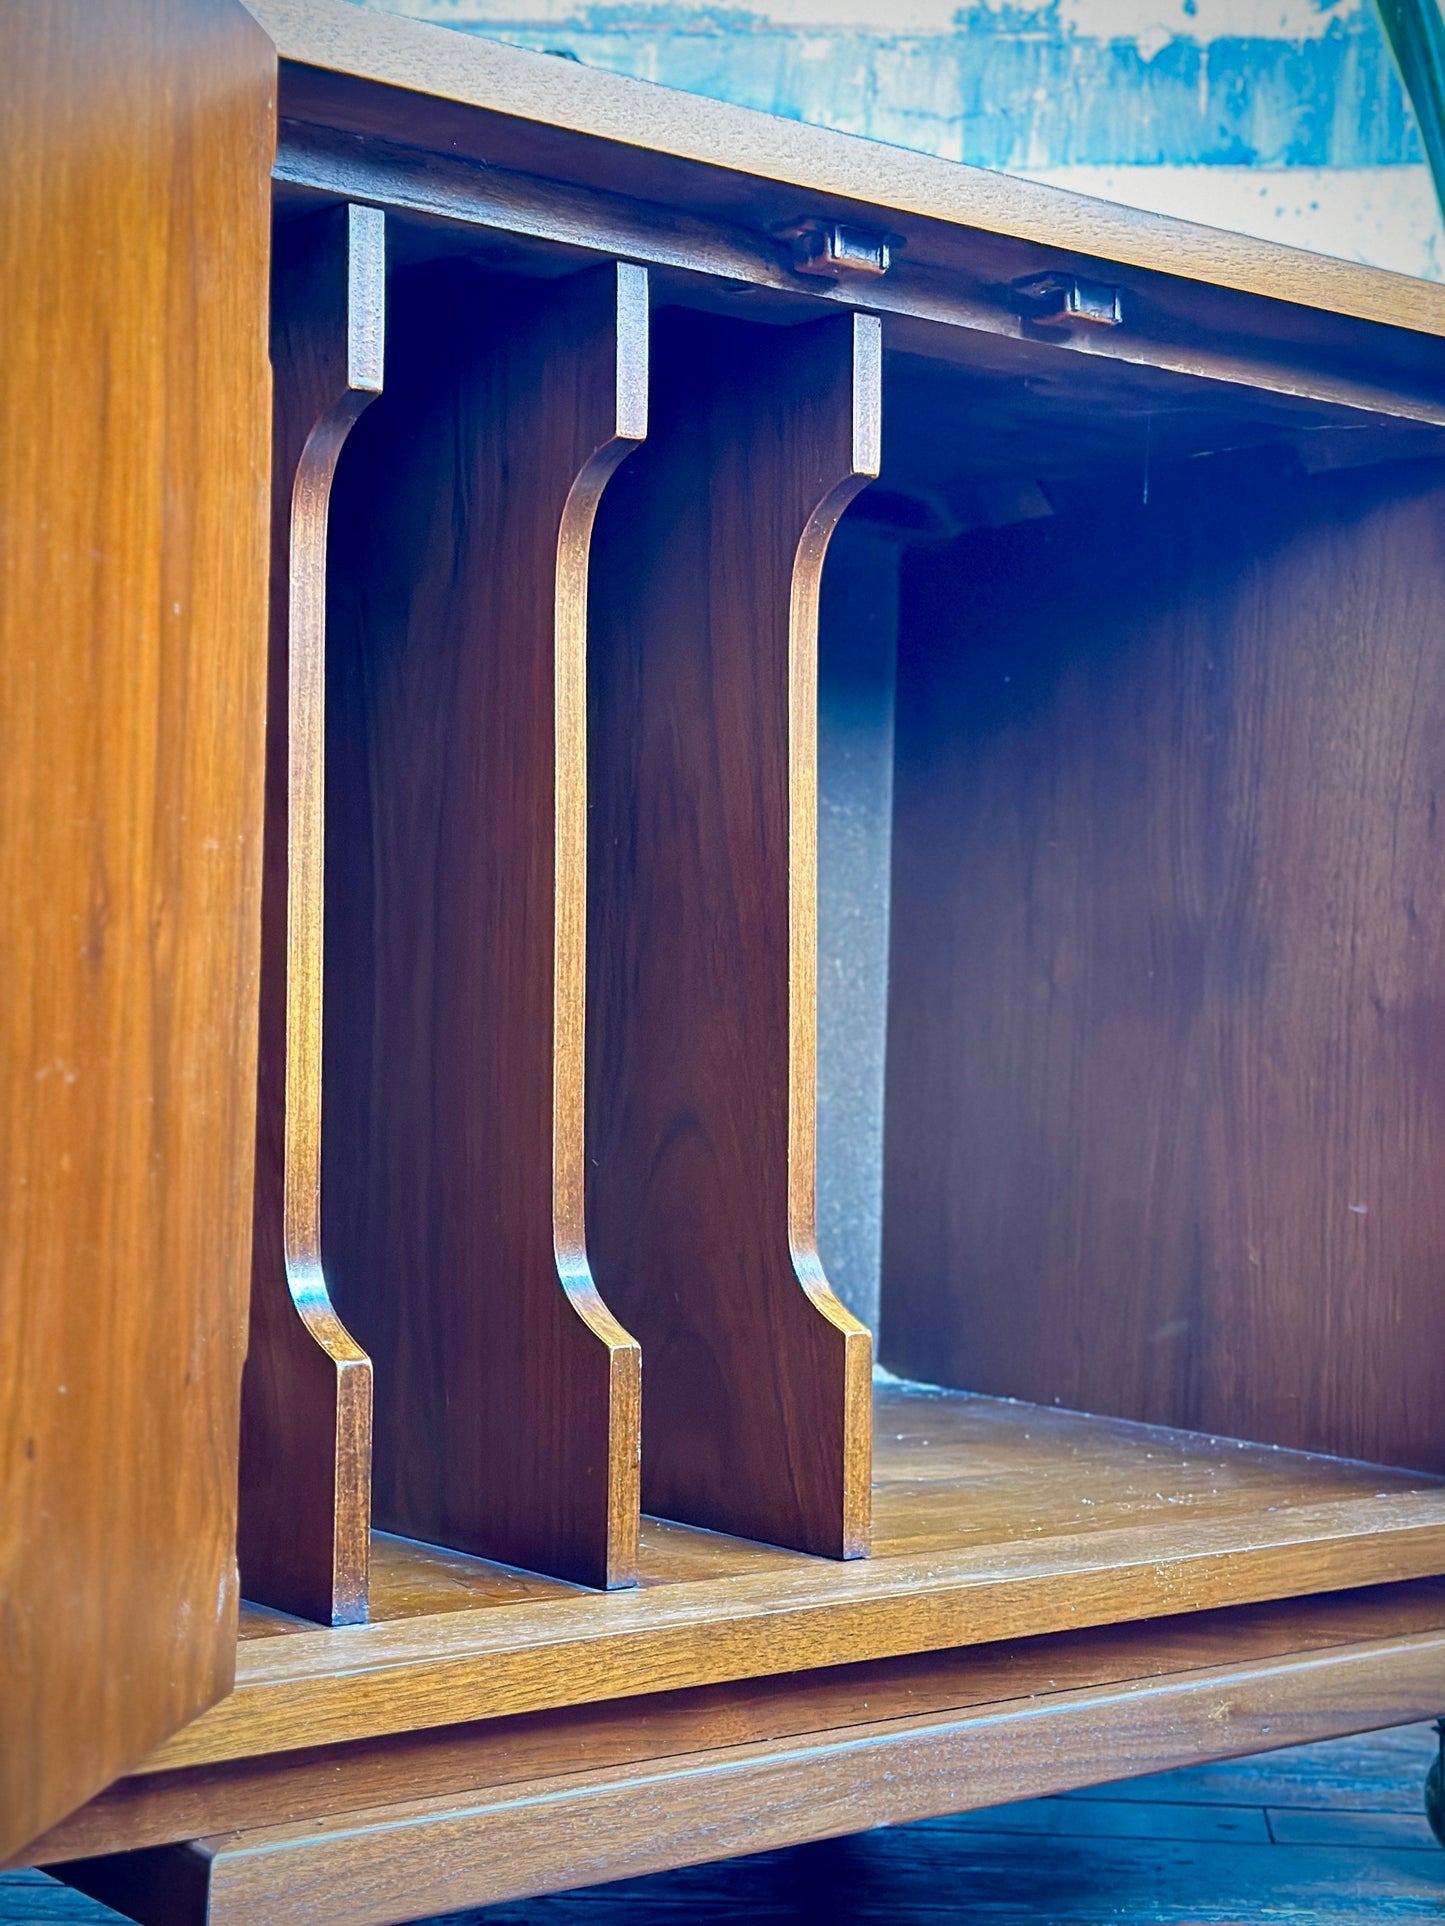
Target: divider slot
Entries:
(507, 1401)
(703, 926)
(305, 1499)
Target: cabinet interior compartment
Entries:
(1122, 722)
(1164, 1114)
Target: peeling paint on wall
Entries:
(1103, 19)
(1274, 83)
(1146, 92)
(1385, 216)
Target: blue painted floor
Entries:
(1326, 1833)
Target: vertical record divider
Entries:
(507, 1398)
(305, 1498)
(702, 984)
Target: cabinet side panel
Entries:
(1166, 1103)
(134, 428)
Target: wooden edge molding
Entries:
(160, 1808)
(305, 1519)
(440, 1854)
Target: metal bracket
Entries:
(1059, 299)
(831, 249)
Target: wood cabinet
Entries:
(793, 670)
(133, 464)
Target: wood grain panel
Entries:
(579, 1827)
(703, 994)
(506, 1396)
(1166, 1104)
(136, 145)
(305, 1510)
(993, 1520)
(160, 1808)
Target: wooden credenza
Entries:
(584, 669)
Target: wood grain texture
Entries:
(643, 135)
(506, 1396)
(702, 1012)
(168, 1807)
(1333, 1829)
(438, 1854)
(305, 1506)
(993, 1520)
(1165, 1108)
(133, 452)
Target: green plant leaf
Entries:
(1416, 33)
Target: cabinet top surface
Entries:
(341, 38)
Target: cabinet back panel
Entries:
(1166, 1077)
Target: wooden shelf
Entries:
(484, 1812)
(992, 1520)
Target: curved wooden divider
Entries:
(304, 1522)
(702, 1001)
(507, 1398)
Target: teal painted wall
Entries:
(1276, 117)
(1016, 86)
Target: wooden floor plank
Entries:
(940, 1874)
(1376, 1772)
(32, 1899)
(1132, 1819)
(1292, 1828)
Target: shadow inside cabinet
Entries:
(1164, 1112)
